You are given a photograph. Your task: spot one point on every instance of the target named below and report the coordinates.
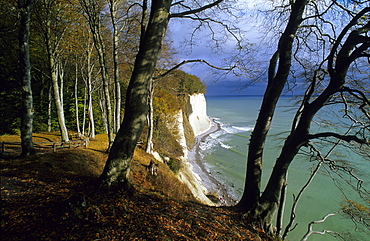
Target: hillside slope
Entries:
(53, 196)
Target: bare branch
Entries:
(339, 136)
(193, 61)
(310, 231)
(352, 23)
(296, 199)
(194, 11)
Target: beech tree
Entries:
(113, 10)
(117, 168)
(52, 28)
(25, 7)
(350, 46)
(92, 9)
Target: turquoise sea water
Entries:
(224, 155)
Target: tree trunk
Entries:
(340, 58)
(76, 102)
(107, 102)
(57, 100)
(92, 10)
(90, 112)
(149, 142)
(277, 78)
(83, 131)
(53, 65)
(117, 119)
(103, 110)
(117, 168)
(25, 7)
(60, 76)
(90, 108)
(50, 104)
(270, 199)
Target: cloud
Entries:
(217, 47)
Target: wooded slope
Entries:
(52, 196)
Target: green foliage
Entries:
(182, 83)
(174, 165)
(10, 109)
(168, 100)
(190, 84)
(75, 47)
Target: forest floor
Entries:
(53, 196)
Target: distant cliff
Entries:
(197, 114)
(191, 122)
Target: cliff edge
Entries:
(195, 118)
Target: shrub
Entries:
(174, 165)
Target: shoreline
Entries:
(213, 186)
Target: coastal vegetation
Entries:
(81, 65)
(52, 196)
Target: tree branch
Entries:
(339, 136)
(342, 35)
(310, 231)
(192, 61)
(194, 11)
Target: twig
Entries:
(310, 231)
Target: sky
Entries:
(202, 48)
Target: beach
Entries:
(214, 186)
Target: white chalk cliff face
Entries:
(198, 118)
(200, 123)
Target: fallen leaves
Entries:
(53, 203)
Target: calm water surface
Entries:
(224, 154)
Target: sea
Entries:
(224, 154)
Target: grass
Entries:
(53, 196)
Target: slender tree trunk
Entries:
(118, 164)
(117, 115)
(90, 68)
(103, 110)
(280, 215)
(90, 105)
(106, 96)
(149, 143)
(278, 74)
(91, 8)
(76, 101)
(50, 99)
(25, 7)
(342, 55)
(57, 100)
(53, 65)
(60, 76)
(84, 111)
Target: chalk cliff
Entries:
(190, 121)
(196, 116)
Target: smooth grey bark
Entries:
(92, 10)
(52, 38)
(117, 168)
(117, 84)
(90, 108)
(25, 8)
(150, 117)
(50, 103)
(57, 100)
(76, 100)
(88, 82)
